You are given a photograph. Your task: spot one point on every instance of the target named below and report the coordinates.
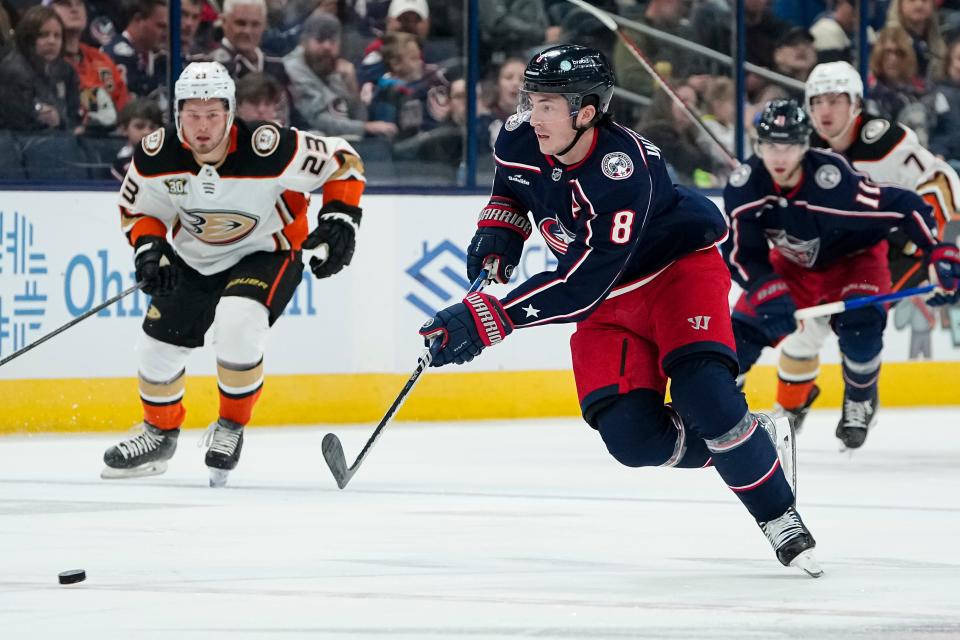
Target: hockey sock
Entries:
(706, 397)
(163, 401)
(795, 380)
(639, 431)
(240, 387)
(861, 378)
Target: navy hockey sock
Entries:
(706, 396)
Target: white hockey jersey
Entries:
(891, 153)
(253, 201)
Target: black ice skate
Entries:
(798, 415)
(857, 419)
(225, 439)
(792, 542)
(145, 454)
(781, 432)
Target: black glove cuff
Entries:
(338, 206)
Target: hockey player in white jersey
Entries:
(886, 152)
(216, 212)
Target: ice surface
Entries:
(497, 530)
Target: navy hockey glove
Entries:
(768, 307)
(945, 272)
(337, 229)
(498, 242)
(157, 265)
(465, 328)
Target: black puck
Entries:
(73, 576)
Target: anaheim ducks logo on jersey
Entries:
(218, 227)
(153, 142)
(798, 251)
(266, 139)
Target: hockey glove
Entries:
(768, 307)
(945, 272)
(337, 230)
(157, 265)
(464, 329)
(498, 242)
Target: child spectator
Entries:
(139, 118)
(261, 97)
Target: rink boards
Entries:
(346, 344)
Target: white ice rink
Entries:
(501, 530)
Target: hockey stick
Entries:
(331, 447)
(832, 308)
(103, 305)
(634, 48)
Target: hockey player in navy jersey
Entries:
(886, 152)
(639, 272)
(827, 226)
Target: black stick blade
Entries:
(333, 454)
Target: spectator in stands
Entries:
(412, 95)
(669, 60)
(833, 32)
(897, 91)
(103, 91)
(506, 94)
(794, 54)
(511, 26)
(139, 118)
(40, 89)
(190, 45)
(919, 18)
(719, 116)
(138, 50)
(244, 22)
(712, 23)
(945, 138)
(260, 97)
(324, 85)
(669, 127)
(6, 28)
(403, 16)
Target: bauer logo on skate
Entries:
(23, 297)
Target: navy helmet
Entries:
(573, 71)
(784, 121)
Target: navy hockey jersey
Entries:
(143, 73)
(614, 220)
(831, 213)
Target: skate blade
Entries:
(806, 562)
(143, 471)
(218, 477)
(786, 450)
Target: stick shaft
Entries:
(103, 305)
(832, 308)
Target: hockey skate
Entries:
(798, 415)
(145, 454)
(857, 419)
(792, 542)
(225, 440)
(781, 432)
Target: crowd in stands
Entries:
(84, 80)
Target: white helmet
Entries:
(834, 77)
(206, 81)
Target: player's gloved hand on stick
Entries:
(768, 307)
(157, 265)
(498, 242)
(945, 273)
(464, 329)
(337, 229)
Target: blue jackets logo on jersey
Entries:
(796, 250)
(555, 235)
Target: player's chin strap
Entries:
(844, 136)
(580, 131)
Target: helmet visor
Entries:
(541, 107)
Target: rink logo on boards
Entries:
(700, 323)
(23, 299)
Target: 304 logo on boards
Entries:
(23, 297)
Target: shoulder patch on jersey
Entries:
(827, 176)
(153, 142)
(512, 122)
(740, 175)
(266, 139)
(617, 165)
(874, 130)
